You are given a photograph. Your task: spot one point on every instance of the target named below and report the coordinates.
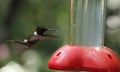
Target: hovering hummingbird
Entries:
(35, 37)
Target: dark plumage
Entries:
(34, 38)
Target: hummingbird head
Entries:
(41, 30)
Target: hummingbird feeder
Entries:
(85, 50)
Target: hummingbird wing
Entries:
(18, 41)
(26, 44)
(45, 37)
(15, 41)
(32, 40)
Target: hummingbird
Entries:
(37, 35)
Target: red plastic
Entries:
(94, 59)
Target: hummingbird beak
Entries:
(52, 30)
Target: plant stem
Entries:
(71, 23)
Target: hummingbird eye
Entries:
(40, 30)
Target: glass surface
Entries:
(87, 20)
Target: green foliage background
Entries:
(19, 18)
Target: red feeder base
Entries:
(77, 58)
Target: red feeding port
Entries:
(67, 58)
(81, 58)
